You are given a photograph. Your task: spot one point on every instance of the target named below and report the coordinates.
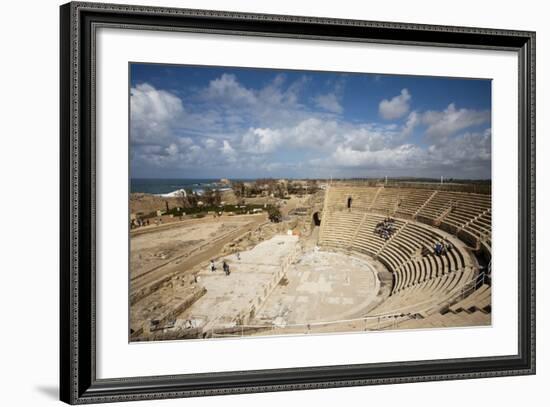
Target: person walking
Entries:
(225, 268)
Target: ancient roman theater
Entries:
(351, 257)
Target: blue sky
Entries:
(213, 122)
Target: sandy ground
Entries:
(153, 249)
(196, 242)
(293, 202)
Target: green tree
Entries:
(192, 198)
(212, 197)
(274, 214)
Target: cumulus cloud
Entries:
(412, 121)
(172, 149)
(329, 102)
(441, 124)
(226, 89)
(273, 130)
(261, 141)
(153, 112)
(466, 155)
(396, 107)
(403, 156)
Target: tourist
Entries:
(212, 266)
(225, 268)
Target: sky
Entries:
(227, 122)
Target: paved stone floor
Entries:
(253, 275)
(318, 286)
(321, 287)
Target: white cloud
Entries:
(313, 133)
(261, 141)
(227, 89)
(226, 149)
(185, 142)
(402, 156)
(470, 147)
(412, 121)
(152, 113)
(210, 143)
(232, 107)
(395, 108)
(316, 134)
(172, 149)
(329, 102)
(442, 124)
(466, 155)
(250, 130)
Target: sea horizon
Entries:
(166, 186)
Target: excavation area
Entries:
(171, 242)
(284, 282)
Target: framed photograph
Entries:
(255, 203)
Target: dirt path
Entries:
(209, 252)
(186, 222)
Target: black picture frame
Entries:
(78, 382)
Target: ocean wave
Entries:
(177, 192)
(174, 194)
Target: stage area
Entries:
(322, 287)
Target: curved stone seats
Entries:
(480, 226)
(449, 319)
(361, 198)
(386, 201)
(431, 205)
(411, 200)
(472, 310)
(425, 296)
(401, 254)
(435, 207)
(413, 270)
(462, 215)
(480, 300)
(421, 281)
(339, 228)
(466, 205)
(429, 295)
(412, 238)
(419, 269)
(366, 240)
